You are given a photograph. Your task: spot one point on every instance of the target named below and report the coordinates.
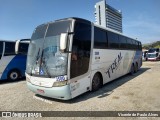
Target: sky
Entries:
(18, 18)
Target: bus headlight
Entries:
(59, 83)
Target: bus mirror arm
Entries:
(68, 51)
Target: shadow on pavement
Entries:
(9, 81)
(106, 89)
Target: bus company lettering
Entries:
(114, 66)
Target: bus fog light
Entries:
(60, 83)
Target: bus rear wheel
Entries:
(13, 75)
(136, 68)
(132, 69)
(96, 82)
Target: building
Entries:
(108, 16)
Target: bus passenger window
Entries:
(23, 48)
(1, 49)
(9, 48)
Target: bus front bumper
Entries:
(62, 92)
(153, 59)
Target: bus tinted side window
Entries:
(136, 45)
(157, 50)
(139, 46)
(123, 42)
(23, 48)
(1, 48)
(9, 48)
(133, 44)
(100, 38)
(129, 44)
(113, 41)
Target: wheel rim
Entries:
(13, 75)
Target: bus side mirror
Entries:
(21, 46)
(63, 41)
(17, 46)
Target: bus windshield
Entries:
(44, 57)
(152, 55)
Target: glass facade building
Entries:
(108, 16)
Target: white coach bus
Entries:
(71, 56)
(153, 54)
(12, 64)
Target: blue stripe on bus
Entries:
(19, 63)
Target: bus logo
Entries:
(41, 72)
(114, 66)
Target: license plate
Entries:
(40, 91)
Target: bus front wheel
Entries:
(13, 75)
(96, 82)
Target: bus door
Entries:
(81, 47)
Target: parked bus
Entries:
(12, 65)
(153, 54)
(71, 56)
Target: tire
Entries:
(136, 68)
(96, 82)
(13, 75)
(132, 69)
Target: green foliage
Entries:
(152, 45)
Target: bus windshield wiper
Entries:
(44, 64)
(37, 57)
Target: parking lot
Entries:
(139, 92)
